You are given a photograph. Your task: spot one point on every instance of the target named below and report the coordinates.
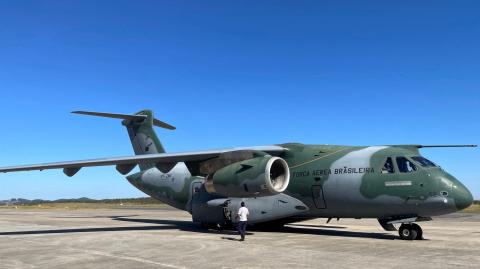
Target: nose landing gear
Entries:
(408, 230)
(411, 231)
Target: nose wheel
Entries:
(411, 231)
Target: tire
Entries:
(419, 231)
(408, 232)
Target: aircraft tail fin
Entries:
(140, 130)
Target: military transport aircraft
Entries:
(284, 183)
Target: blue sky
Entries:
(233, 73)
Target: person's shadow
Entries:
(231, 238)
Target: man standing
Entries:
(242, 220)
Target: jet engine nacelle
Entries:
(260, 176)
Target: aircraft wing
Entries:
(163, 161)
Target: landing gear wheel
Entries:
(408, 232)
(220, 226)
(419, 231)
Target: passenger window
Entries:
(388, 167)
(405, 165)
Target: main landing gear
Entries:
(410, 231)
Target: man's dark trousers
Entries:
(242, 226)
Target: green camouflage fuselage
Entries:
(335, 181)
(283, 183)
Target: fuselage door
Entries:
(196, 187)
(318, 197)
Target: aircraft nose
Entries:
(462, 196)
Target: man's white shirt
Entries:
(243, 213)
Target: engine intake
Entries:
(260, 176)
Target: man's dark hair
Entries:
(242, 203)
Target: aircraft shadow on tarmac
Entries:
(189, 226)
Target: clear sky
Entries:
(233, 73)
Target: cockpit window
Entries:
(405, 165)
(388, 167)
(423, 162)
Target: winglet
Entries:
(137, 117)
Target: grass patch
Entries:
(76, 206)
(83, 203)
(475, 208)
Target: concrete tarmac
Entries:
(127, 238)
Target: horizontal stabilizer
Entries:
(137, 117)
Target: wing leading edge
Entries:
(126, 164)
